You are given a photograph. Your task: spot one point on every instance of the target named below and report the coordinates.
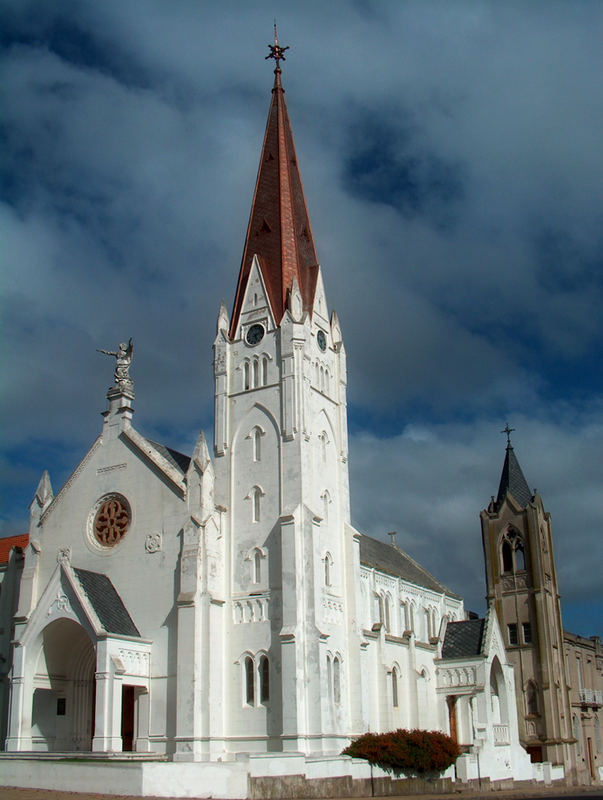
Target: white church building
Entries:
(221, 607)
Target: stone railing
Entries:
(501, 734)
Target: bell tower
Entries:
(522, 586)
(281, 452)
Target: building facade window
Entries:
(395, 687)
(512, 632)
(249, 681)
(328, 569)
(527, 632)
(337, 680)
(264, 679)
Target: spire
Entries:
(512, 479)
(279, 232)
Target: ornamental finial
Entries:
(276, 51)
(508, 431)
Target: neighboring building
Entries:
(558, 678)
(210, 607)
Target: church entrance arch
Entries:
(62, 712)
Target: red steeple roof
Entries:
(279, 230)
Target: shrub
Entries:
(413, 751)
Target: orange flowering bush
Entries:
(413, 751)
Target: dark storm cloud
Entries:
(451, 161)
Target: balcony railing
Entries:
(591, 696)
(501, 734)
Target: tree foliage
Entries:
(415, 752)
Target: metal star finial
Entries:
(508, 431)
(276, 51)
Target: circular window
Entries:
(322, 340)
(111, 521)
(255, 334)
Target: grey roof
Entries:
(107, 604)
(512, 478)
(176, 459)
(389, 558)
(463, 639)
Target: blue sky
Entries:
(452, 162)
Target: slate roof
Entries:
(389, 558)
(512, 478)
(107, 604)
(8, 542)
(176, 459)
(463, 639)
(279, 226)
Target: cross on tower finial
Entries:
(508, 431)
(276, 51)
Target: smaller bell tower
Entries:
(521, 584)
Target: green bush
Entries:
(414, 752)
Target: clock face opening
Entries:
(255, 334)
(322, 340)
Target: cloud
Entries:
(451, 162)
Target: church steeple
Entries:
(512, 479)
(279, 232)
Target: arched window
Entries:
(256, 440)
(322, 378)
(326, 500)
(264, 371)
(255, 495)
(520, 557)
(264, 679)
(324, 439)
(246, 378)
(395, 687)
(337, 680)
(329, 676)
(387, 605)
(328, 564)
(249, 681)
(326, 381)
(256, 373)
(532, 698)
(257, 566)
(507, 557)
(598, 734)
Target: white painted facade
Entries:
(255, 626)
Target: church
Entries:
(220, 607)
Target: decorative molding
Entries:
(62, 603)
(153, 543)
(64, 555)
(102, 470)
(135, 662)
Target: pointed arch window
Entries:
(395, 687)
(532, 698)
(387, 608)
(255, 495)
(256, 443)
(246, 376)
(264, 671)
(328, 559)
(326, 501)
(324, 440)
(256, 373)
(337, 680)
(264, 371)
(249, 681)
(512, 553)
(257, 567)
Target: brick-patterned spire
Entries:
(279, 230)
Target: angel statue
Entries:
(123, 359)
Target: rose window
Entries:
(111, 521)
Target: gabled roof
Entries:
(512, 479)
(279, 230)
(176, 459)
(107, 604)
(390, 559)
(8, 542)
(463, 639)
